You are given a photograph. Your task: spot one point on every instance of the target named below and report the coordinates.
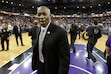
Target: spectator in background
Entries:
(10, 27)
(0, 27)
(56, 23)
(33, 31)
(108, 53)
(4, 34)
(17, 30)
(109, 30)
(94, 34)
(79, 31)
(73, 35)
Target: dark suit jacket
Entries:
(32, 32)
(73, 31)
(15, 30)
(4, 34)
(93, 37)
(55, 51)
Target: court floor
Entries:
(14, 51)
(78, 64)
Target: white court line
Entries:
(93, 52)
(70, 65)
(73, 67)
(14, 57)
(80, 69)
(34, 72)
(21, 63)
(99, 56)
(14, 66)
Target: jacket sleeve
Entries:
(34, 58)
(64, 54)
(30, 32)
(100, 34)
(90, 32)
(14, 30)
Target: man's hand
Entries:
(107, 55)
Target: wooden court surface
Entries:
(14, 50)
(100, 43)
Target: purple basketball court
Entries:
(78, 63)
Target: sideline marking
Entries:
(99, 56)
(21, 63)
(80, 69)
(14, 57)
(34, 72)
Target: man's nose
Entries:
(41, 16)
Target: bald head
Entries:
(4, 26)
(44, 8)
(44, 15)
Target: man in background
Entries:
(4, 34)
(94, 34)
(17, 30)
(73, 35)
(33, 31)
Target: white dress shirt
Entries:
(41, 39)
(18, 28)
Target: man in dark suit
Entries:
(33, 32)
(17, 30)
(94, 34)
(51, 52)
(73, 35)
(4, 34)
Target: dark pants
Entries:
(2, 43)
(89, 50)
(105, 54)
(109, 64)
(79, 33)
(20, 36)
(41, 68)
(73, 38)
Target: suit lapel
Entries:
(37, 34)
(48, 33)
(46, 36)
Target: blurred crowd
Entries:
(65, 22)
(25, 22)
(104, 22)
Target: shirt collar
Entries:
(45, 28)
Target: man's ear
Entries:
(36, 15)
(51, 15)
